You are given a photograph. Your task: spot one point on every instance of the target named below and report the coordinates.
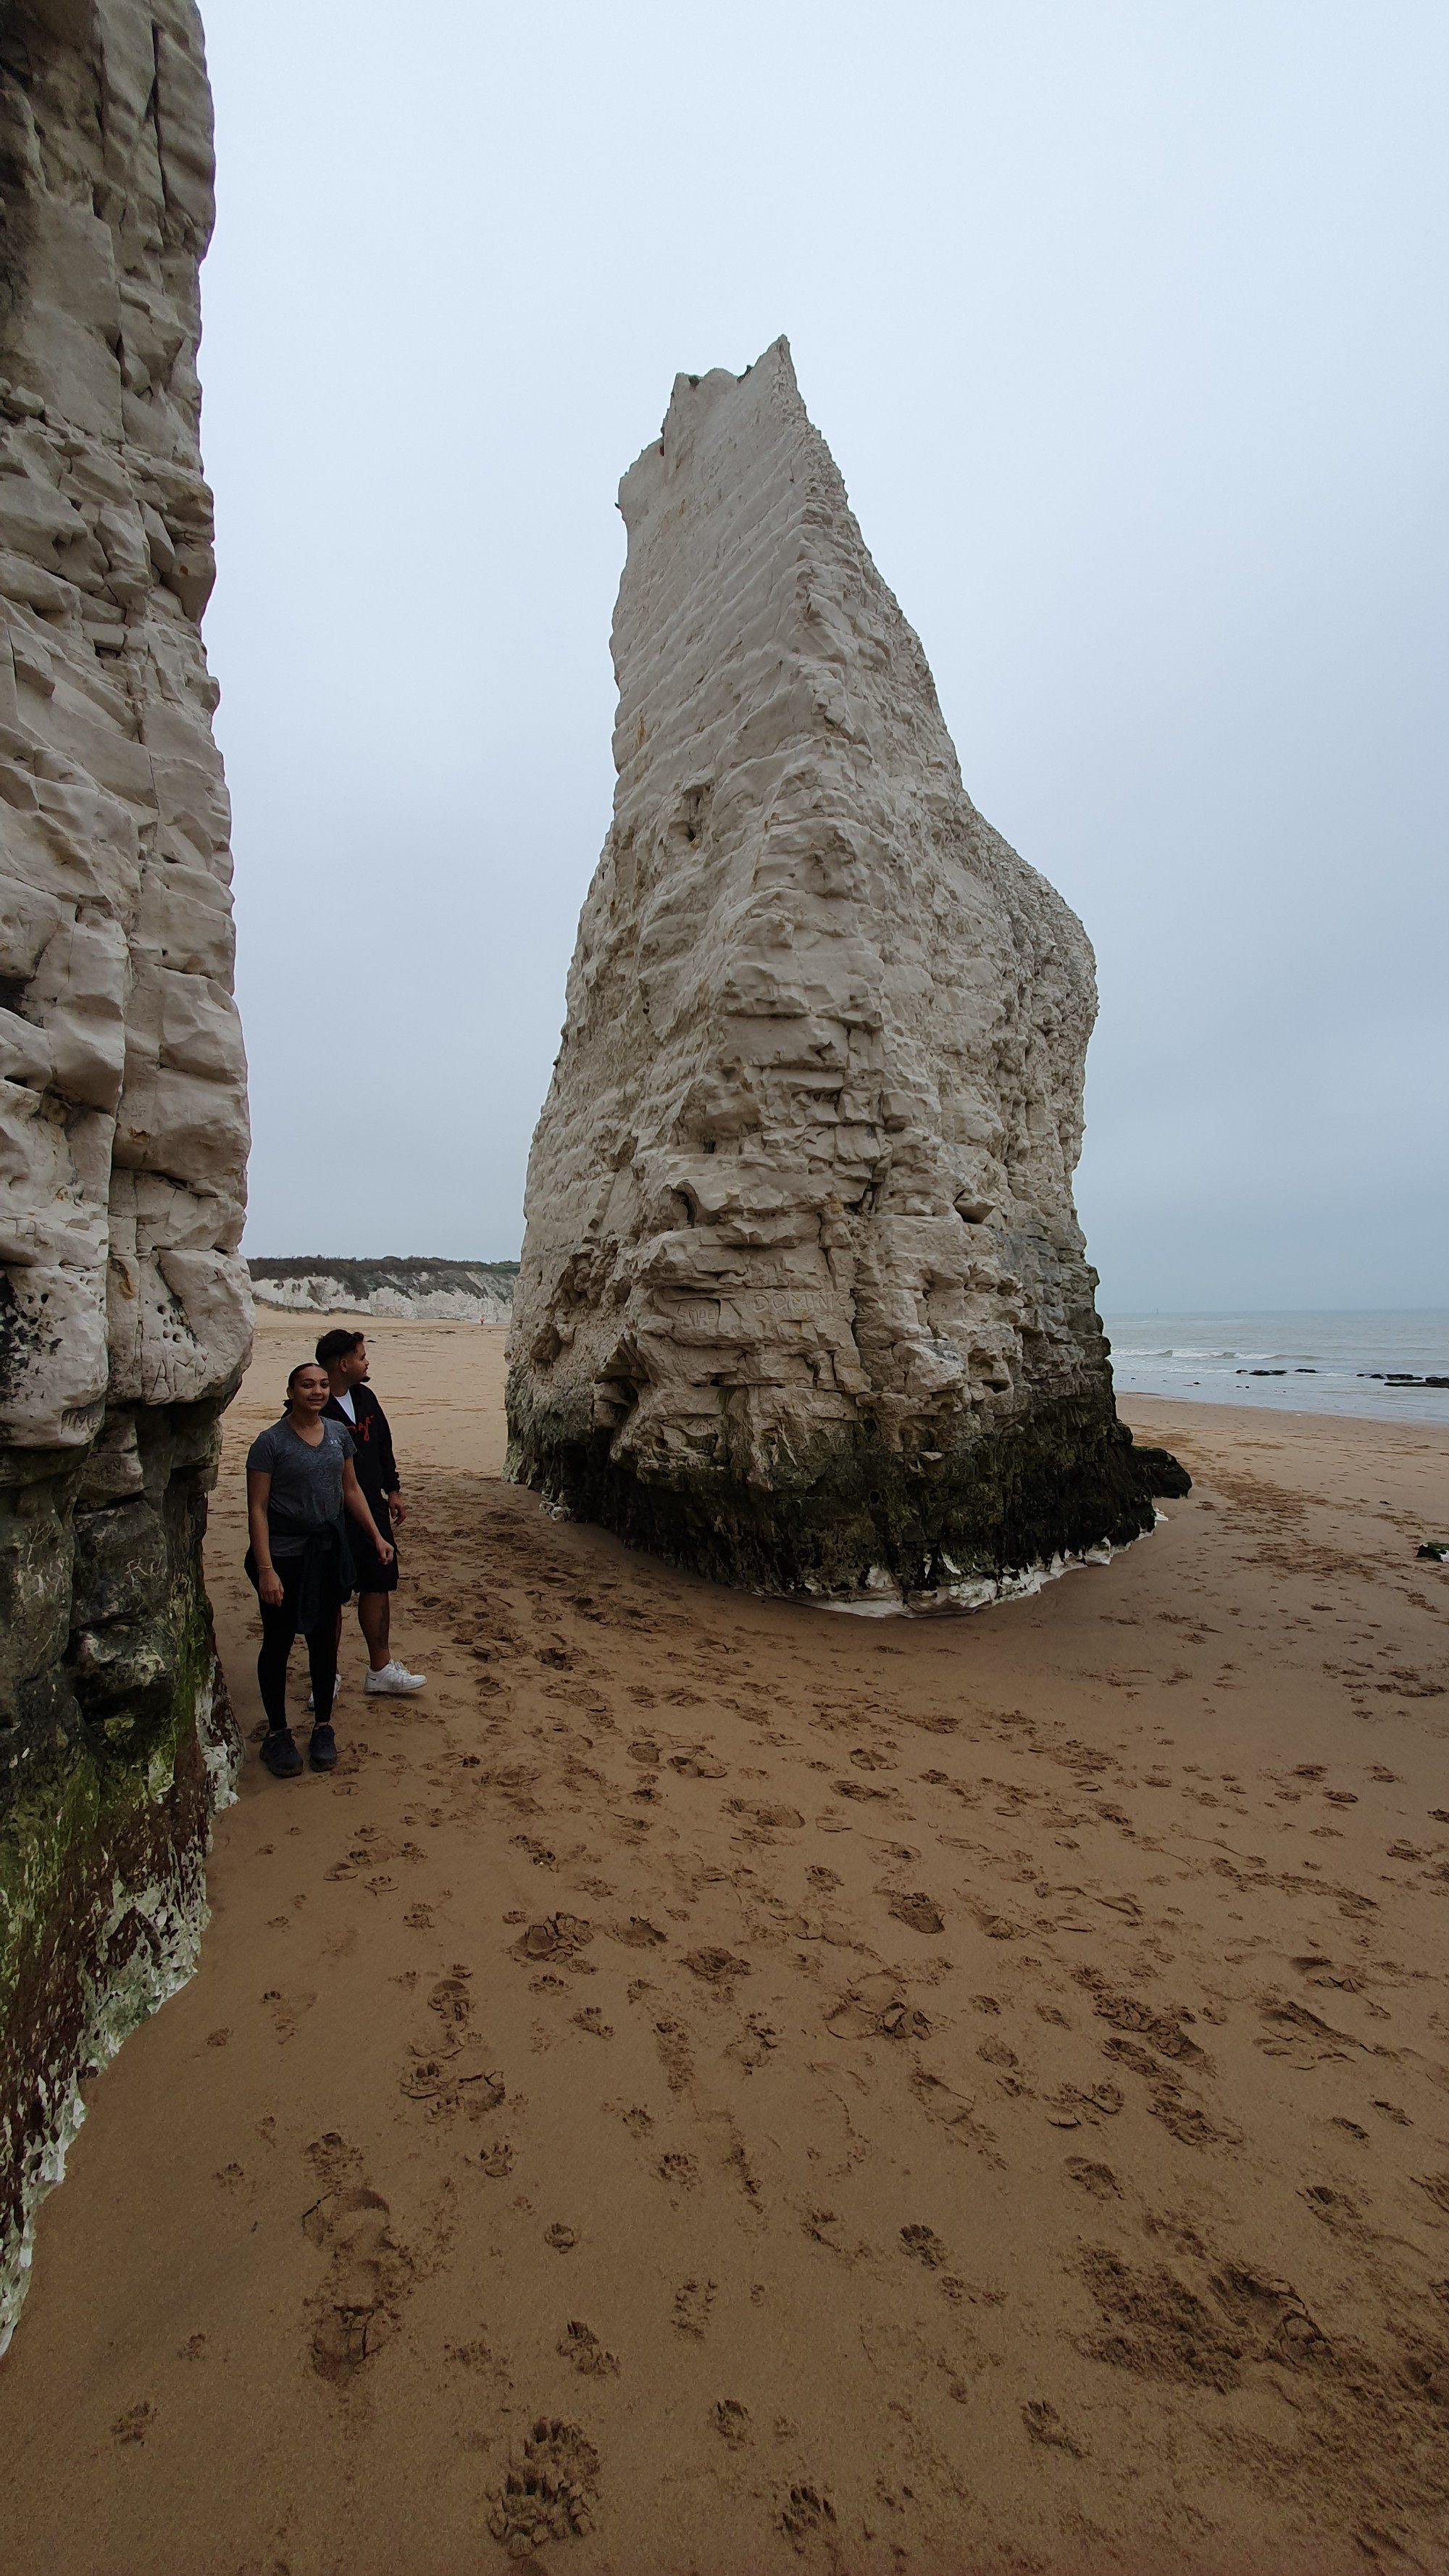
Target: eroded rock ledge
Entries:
(803, 1301)
(125, 1311)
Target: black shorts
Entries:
(369, 1574)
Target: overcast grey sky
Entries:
(1125, 321)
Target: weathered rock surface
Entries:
(469, 1292)
(125, 1310)
(803, 1300)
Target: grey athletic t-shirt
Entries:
(306, 1482)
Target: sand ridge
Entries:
(716, 2087)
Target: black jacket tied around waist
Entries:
(325, 1561)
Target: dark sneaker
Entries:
(280, 1754)
(322, 1752)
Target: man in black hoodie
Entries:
(352, 1402)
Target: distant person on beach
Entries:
(353, 1404)
(300, 1483)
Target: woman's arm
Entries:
(269, 1582)
(356, 1502)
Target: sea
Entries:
(1290, 1362)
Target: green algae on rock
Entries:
(803, 1300)
(125, 1313)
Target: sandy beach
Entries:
(786, 2088)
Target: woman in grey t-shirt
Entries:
(300, 1480)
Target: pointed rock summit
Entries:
(803, 1301)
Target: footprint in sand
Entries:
(1269, 2312)
(716, 1967)
(672, 2041)
(768, 1818)
(1127, 2012)
(693, 2301)
(994, 2052)
(678, 2170)
(1155, 2326)
(357, 2308)
(1044, 2424)
(919, 1912)
(732, 2421)
(580, 2345)
(806, 2513)
(1099, 2180)
(450, 1998)
(497, 2160)
(135, 2424)
(287, 2011)
(332, 2159)
(875, 2008)
(549, 2492)
(925, 2245)
(440, 2083)
(1190, 2122)
(562, 2239)
(558, 1936)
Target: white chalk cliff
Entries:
(125, 1309)
(465, 1292)
(803, 1299)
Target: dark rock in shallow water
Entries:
(1164, 1474)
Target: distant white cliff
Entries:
(473, 1292)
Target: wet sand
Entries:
(948, 2096)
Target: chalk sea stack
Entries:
(803, 1301)
(125, 1312)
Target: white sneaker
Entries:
(394, 1678)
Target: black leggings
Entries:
(279, 1627)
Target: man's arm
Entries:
(387, 1466)
(356, 1503)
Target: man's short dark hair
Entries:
(336, 1345)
